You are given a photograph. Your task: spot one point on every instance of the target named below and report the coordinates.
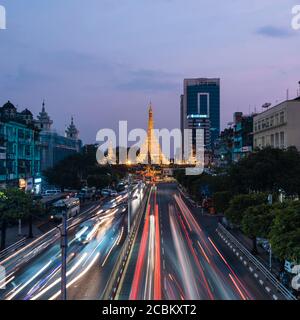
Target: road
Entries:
(177, 255)
(33, 273)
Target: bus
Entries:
(72, 205)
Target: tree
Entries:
(73, 170)
(240, 203)
(262, 171)
(11, 209)
(285, 232)
(221, 200)
(257, 221)
(16, 204)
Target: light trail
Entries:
(29, 281)
(187, 274)
(229, 267)
(59, 279)
(150, 261)
(237, 287)
(157, 273)
(203, 252)
(77, 277)
(141, 257)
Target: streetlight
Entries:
(64, 246)
(129, 202)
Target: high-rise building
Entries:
(200, 108)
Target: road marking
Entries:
(255, 275)
(251, 269)
(245, 262)
(268, 289)
(164, 265)
(261, 282)
(275, 297)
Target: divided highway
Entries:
(178, 257)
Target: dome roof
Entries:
(8, 105)
(26, 112)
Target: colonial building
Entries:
(56, 147)
(19, 148)
(278, 126)
(29, 146)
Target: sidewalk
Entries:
(262, 255)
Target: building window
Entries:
(272, 140)
(258, 126)
(277, 140)
(276, 119)
(263, 142)
(281, 117)
(272, 121)
(267, 123)
(282, 139)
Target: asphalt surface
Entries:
(178, 255)
(33, 273)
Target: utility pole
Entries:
(64, 246)
(129, 202)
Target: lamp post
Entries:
(64, 247)
(129, 202)
(63, 229)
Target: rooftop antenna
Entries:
(287, 94)
(299, 89)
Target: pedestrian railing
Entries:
(11, 249)
(257, 264)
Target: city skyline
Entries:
(122, 67)
(149, 151)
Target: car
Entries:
(87, 231)
(113, 193)
(48, 193)
(105, 192)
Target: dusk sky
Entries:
(103, 60)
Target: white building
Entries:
(279, 126)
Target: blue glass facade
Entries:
(202, 101)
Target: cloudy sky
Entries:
(104, 60)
